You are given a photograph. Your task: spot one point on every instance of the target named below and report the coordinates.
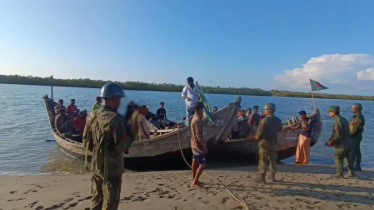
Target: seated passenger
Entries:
(79, 122)
(59, 106)
(97, 105)
(71, 109)
(215, 109)
(142, 122)
(161, 114)
(62, 122)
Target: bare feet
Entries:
(197, 186)
(200, 183)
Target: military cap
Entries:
(334, 109)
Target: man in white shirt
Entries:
(190, 94)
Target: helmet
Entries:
(270, 107)
(112, 90)
(357, 106)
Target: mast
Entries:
(52, 87)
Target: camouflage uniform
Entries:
(267, 133)
(340, 140)
(104, 135)
(356, 128)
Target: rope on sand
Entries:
(242, 203)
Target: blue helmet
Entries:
(112, 90)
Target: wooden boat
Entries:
(286, 142)
(164, 143)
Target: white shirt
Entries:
(192, 93)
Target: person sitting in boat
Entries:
(72, 109)
(97, 105)
(254, 121)
(215, 109)
(59, 106)
(79, 122)
(131, 108)
(243, 124)
(249, 112)
(142, 123)
(62, 122)
(161, 112)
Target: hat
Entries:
(190, 79)
(334, 109)
(302, 112)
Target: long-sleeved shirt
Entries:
(192, 93)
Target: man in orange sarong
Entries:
(303, 145)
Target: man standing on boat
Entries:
(356, 128)
(267, 134)
(198, 146)
(104, 136)
(190, 94)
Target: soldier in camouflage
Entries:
(356, 128)
(104, 136)
(340, 140)
(267, 134)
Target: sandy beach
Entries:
(299, 187)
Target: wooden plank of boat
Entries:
(286, 142)
(156, 146)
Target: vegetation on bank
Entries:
(88, 83)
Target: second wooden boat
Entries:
(287, 140)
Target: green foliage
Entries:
(88, 83)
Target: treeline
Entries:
(88, 83)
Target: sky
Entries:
(258, 44)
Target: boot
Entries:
(337, 176)
(272, 177)
(357, 167)
(261, 179)
(351, 174)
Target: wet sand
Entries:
(300, 187)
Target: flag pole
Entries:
(311, 89)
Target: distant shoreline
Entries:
(142, 86)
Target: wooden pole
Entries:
(52, 87)
(314, 102)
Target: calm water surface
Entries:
(24, 128)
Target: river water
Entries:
(25, 136)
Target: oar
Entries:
(50, 140)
